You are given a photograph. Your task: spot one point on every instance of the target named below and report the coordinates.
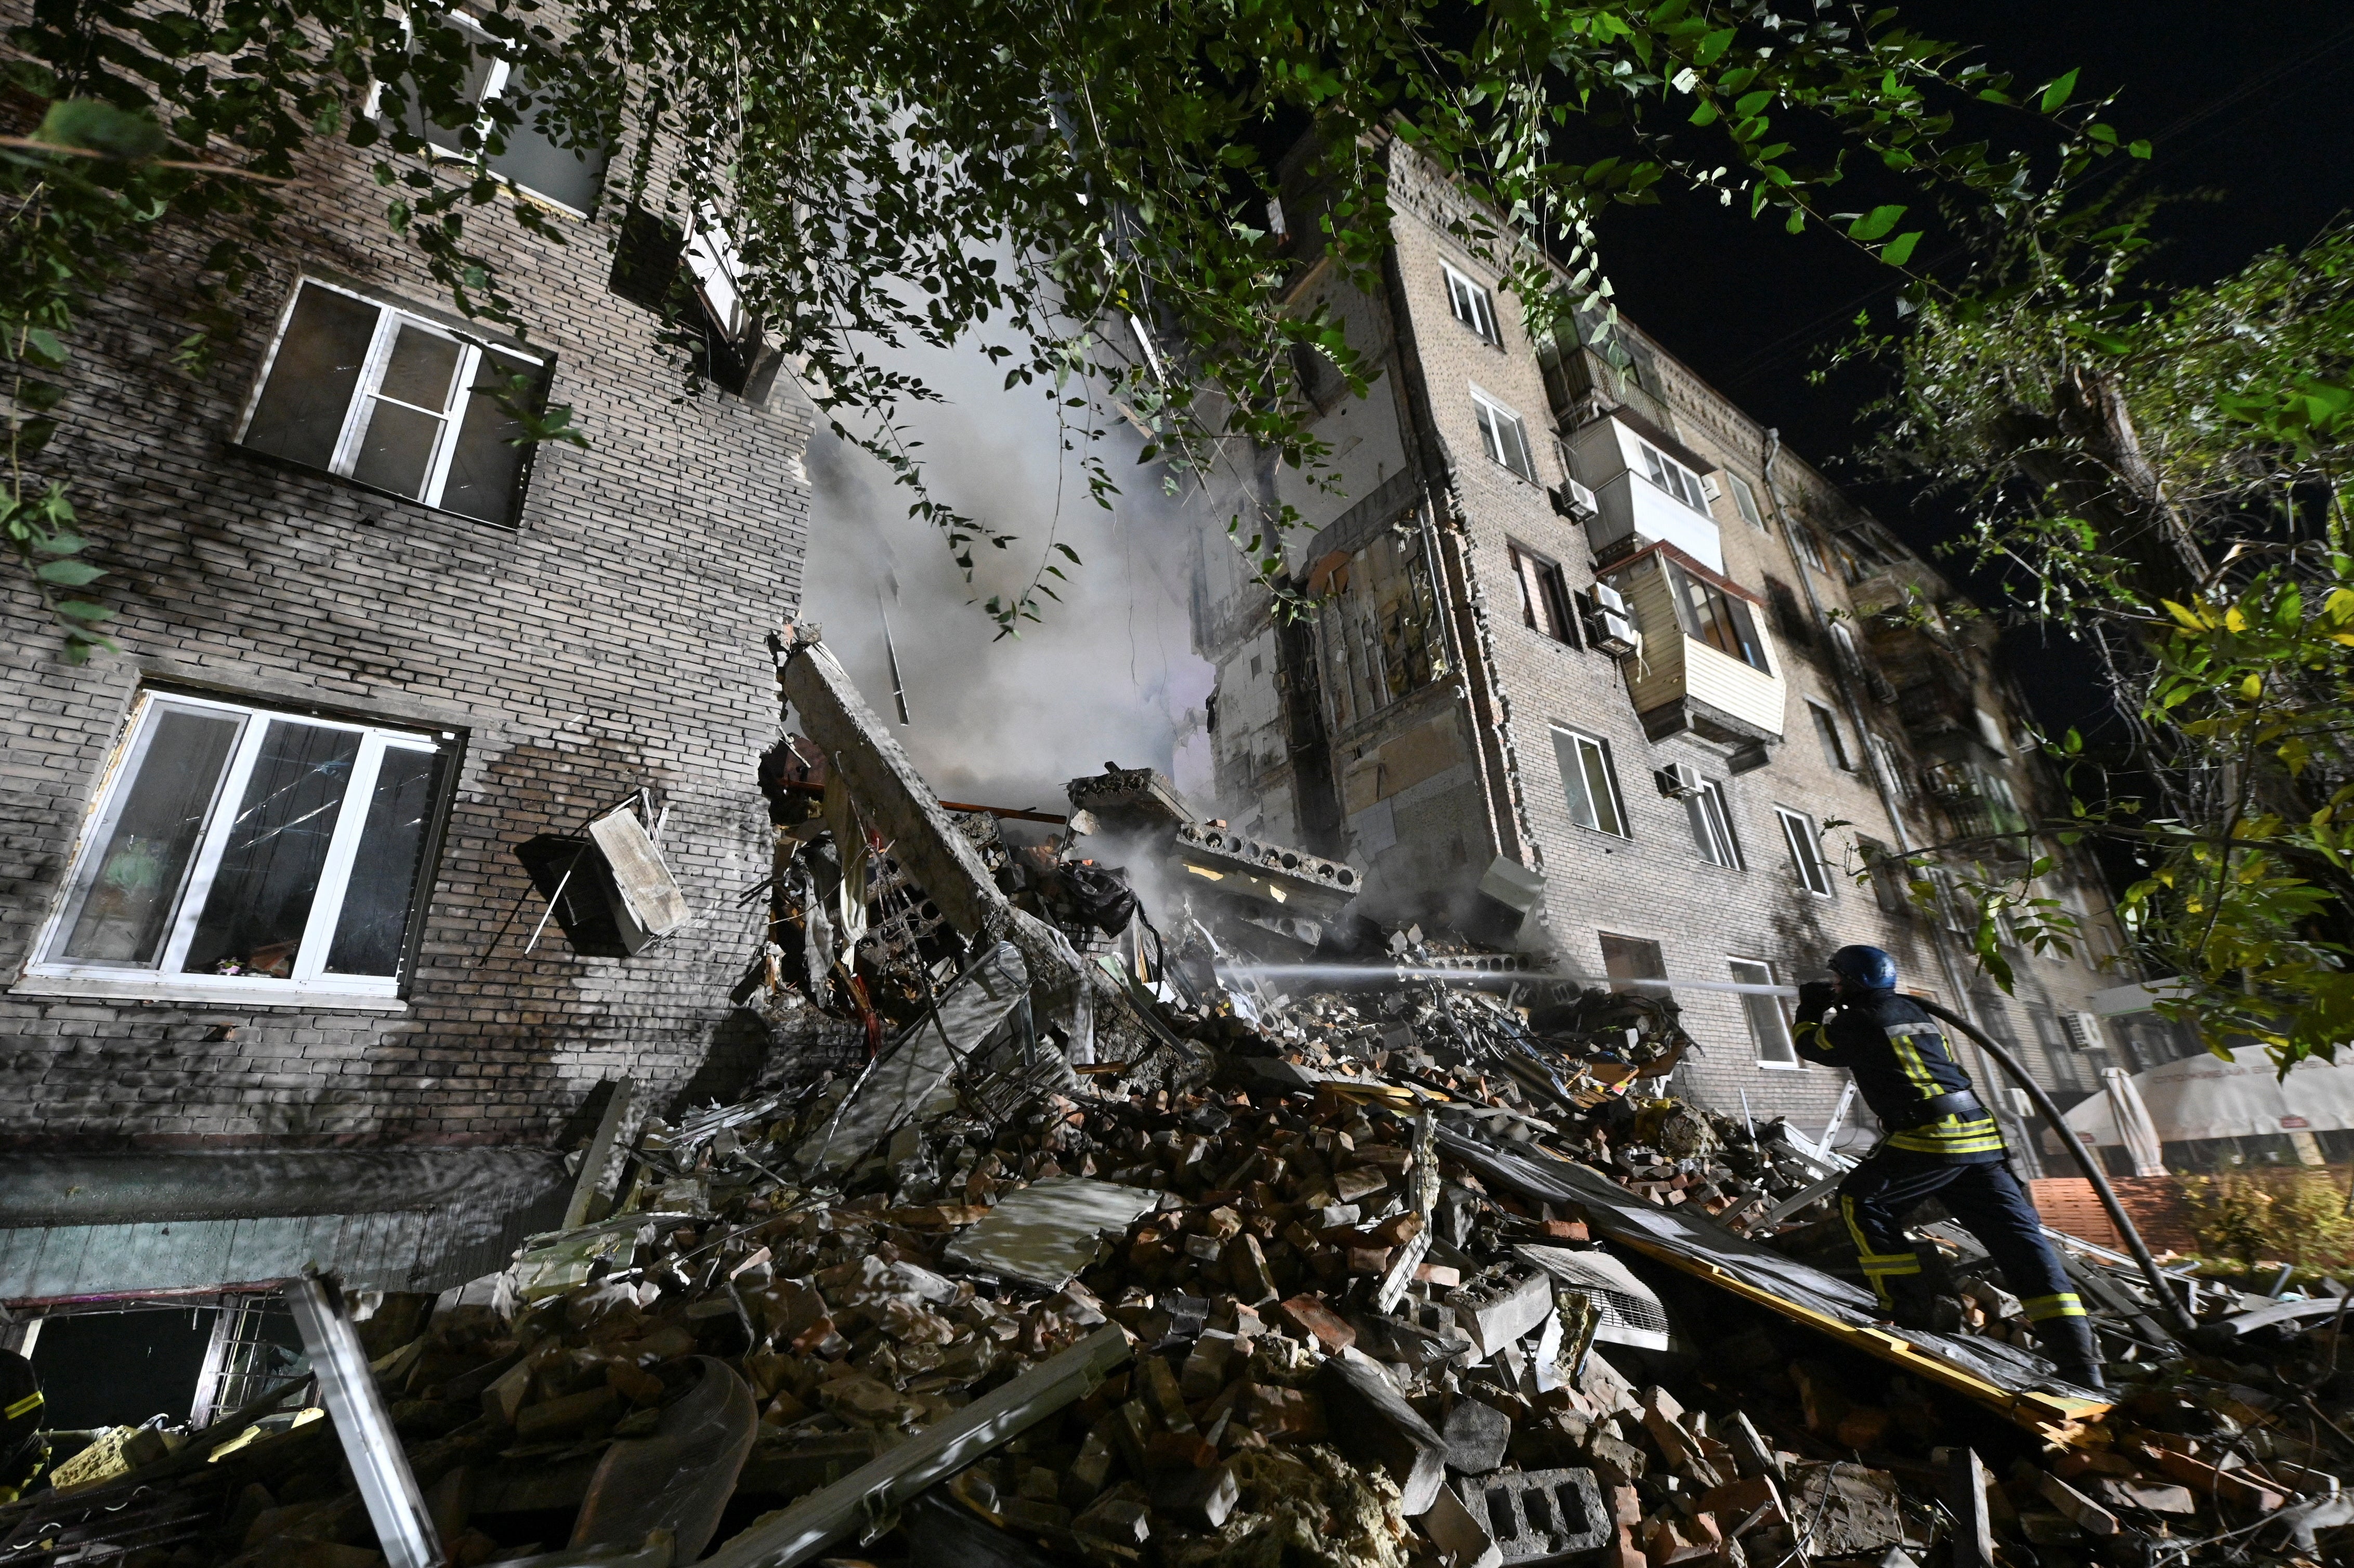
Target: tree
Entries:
(2168, 469)
(1088, 181)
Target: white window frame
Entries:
(1674, 478)
(1473, 304)
(1800, 836)
(1883, 752)
(1744, 501)
(501, 71)
(1780, 1054)
(1826, 732)
(1579, 744)
(1802, 547)
(1712, 822)
(1494, 415)
(390, 319)
(310, 984)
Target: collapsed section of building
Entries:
(1217, 1224)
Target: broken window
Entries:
(1589, 782)
(532, 154)
(241, 851)
(1544, 594)
(1717, 618)
(1631, 959)
(1711, 825)
(1472, 305)
(395, 402)
(1827, 730)
(1891, 770)
(695, 284)
(1802, 545)
(1805, 852)
(1769, 1026)
(1379, 628)
(1744, 501)
(1504, 436)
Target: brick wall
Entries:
(613, 640)
(1652, 884)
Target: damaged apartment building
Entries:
(273, 993)
(1598, 669)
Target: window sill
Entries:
(220, 991)
(1781, 1067)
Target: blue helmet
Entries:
(1866, 968)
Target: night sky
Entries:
(2254, 103)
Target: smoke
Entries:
(1111, 676)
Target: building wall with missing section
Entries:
(1440, 779)
(610, 642)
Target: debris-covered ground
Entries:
(1062, 1233)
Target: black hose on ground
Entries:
(2167, 1302)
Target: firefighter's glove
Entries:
(1817, 996)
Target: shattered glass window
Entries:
(234, 847)
(1588, 782)
(1379, 628)
(1805, 853)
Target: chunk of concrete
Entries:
(1476, 1434)
(1371, 1423)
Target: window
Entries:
(393, 401)
(1711, 825)
(242, 853)
(1892, 771)
(1472, 305)
(530, 154)
(1769, 1027)
(1673, 477)
(1790, 617)
(1745, 501)
(2066, 1071)
(1891, 877)
(1717, 619)
(695, 282)
(1502, 432)
(1544, 595)
(1802, 545)
(1806, 854)
(1633, 958)
(1827, 730)
(1587, 778)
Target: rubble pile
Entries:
(1182, 1252)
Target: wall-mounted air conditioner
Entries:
(1573, 501)
(1708, 487)
(1679, 781)
(1608, 628)
(2083, 1030)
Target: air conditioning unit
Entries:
(2083, 1030)
(1679, 781)
(1708, 487)
(1573, 501)
(1608, 628)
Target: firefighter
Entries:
(1941, 1141)
(24, 1447)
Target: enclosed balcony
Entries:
(1648, 489)
(1706, 666)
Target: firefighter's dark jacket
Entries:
(1901, 1061)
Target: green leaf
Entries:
(98, 127)
(42, 345)
(2057, 93)
(1899, 251)
(67, 574)
(1874, 224)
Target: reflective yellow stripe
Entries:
(1878, 1266)
(1951, 1135)
(24, 1406)
(2066, 1304)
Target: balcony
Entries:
(1647, 490)
(1685, 679)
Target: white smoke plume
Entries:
(1111, 676)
